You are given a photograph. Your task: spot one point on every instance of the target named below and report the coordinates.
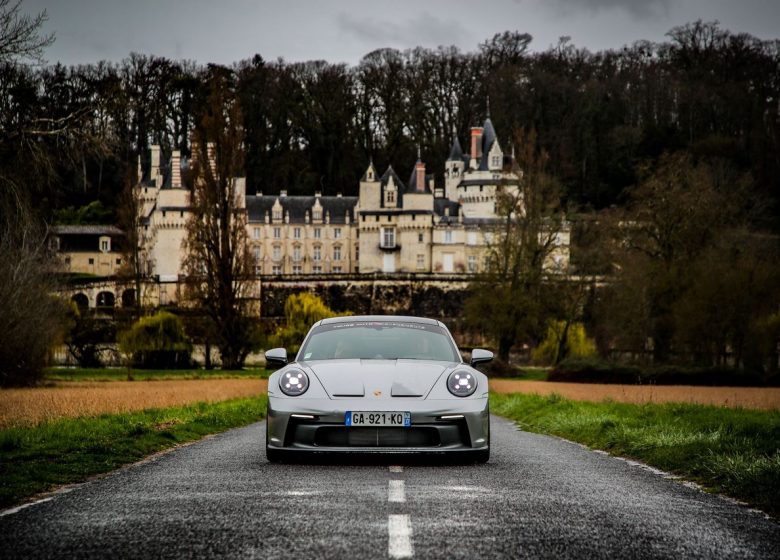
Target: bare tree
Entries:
(218, 263)
(510, 300)
(130, 214)
(20, 36)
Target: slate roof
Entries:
(365, 173)
(439, 206)
(411, 186)
(488, 138)
(87, 230)
(337, 206)
(456, 152)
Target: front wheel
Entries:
(273, 455)
(482, 455)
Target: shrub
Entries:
(89, 336)
(301, 311)
(593, 370)
(578, 344)
(157, 341)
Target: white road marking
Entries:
(395, 491)
(396, 468)
(23, 506)
(399, 530)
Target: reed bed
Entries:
(26, 407)
(763, 398)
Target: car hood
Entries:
(378, 379)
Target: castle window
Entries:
(297, 233)
(337, 253)
(317, 214)
(277, 233)
(337, 269)
(337, 233)
(471, 238)
(317, 233)
(420, 237)
(297, 269)
(297, 253)
(472, 263)
(277, 252)
(277, 214)
(448, 236)
(256, 233)
(91, 261)
(316, 269)
(420, 262)
(317, 255)
(276, 269)
(388, 238)
(391, 196)
(257, 254)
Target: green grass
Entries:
(732, 451)
(127, 374)
(39, 458)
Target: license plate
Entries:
(381, 419)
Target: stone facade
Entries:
(392, 227)
(95, 250)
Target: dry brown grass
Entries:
(766, 398)
(89, 398)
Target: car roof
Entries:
(366, 318)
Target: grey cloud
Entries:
(640, 9)
(422, 30)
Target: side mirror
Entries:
(480, 356)
(277, 357)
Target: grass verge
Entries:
(127, 374)
(732, 451)
(38, 458)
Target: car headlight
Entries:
(294, 382)
(462, 383)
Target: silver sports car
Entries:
(378, 384)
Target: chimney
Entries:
(176, 169)
(154, 171)
(476, 145)
(419, 167)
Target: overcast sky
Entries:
(226, 31)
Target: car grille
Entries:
(342, 436)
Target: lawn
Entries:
(729, 450)
(128, 374)
(39, 458)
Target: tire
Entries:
(482, 456)
(273, 455)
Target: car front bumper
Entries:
(305, 426)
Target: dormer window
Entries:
(317, 214)
(277, 214)
(390, 196)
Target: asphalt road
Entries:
(537, 497)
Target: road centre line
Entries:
(396, 468)
(395, 491)
(399, 530)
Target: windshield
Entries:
(379, 340)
